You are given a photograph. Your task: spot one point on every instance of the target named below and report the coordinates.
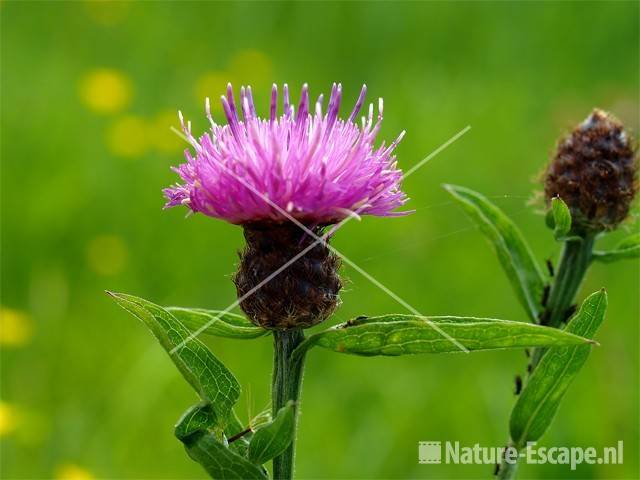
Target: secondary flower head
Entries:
(594, 171)
(311, 164)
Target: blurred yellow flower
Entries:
(163, 138)
(8, 419)
(212, 85)
(69, 471)
(107, 255)
(128, 137)
(15, 327)
(105, 90)
(251, 67)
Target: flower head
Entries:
(594, 171)
(312, 165)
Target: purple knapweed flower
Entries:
(313, 165)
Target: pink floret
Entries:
(312, 165)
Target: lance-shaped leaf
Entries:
(629, 247)
(512, 249)
(273, 438)
(410, 334)
(206, 374)
(539, 400)
(200, 442)
(216, 323)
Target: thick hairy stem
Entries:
(286, 385)
(575, 259)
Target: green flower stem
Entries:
(507, 471)
(575, 259)
(286, 385)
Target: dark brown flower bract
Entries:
(594, 171)
(299, 296)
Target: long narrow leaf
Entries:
(217, 323)
(539, 400)
(628, 248)
(409, 334)
(206, 374)
(512, 249)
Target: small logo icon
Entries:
(429, 452)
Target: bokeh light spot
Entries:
(16, 328)
(69, 471)
(128, 137)
(212, 85)
(105, 90)
(251, 67)
(107, 255)
(8, 419)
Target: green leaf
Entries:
(197, 418)
(410, 334)
(561, 219)
(220, 462)
(194, 429)
(217, 323)
(512, 249)
(274, 437)
(206, 374)
(539, 400)
(629, 247)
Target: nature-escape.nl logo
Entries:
(432, 452)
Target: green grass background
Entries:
(93, 387)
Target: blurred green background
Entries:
(89, 91)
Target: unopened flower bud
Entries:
(594, 172)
